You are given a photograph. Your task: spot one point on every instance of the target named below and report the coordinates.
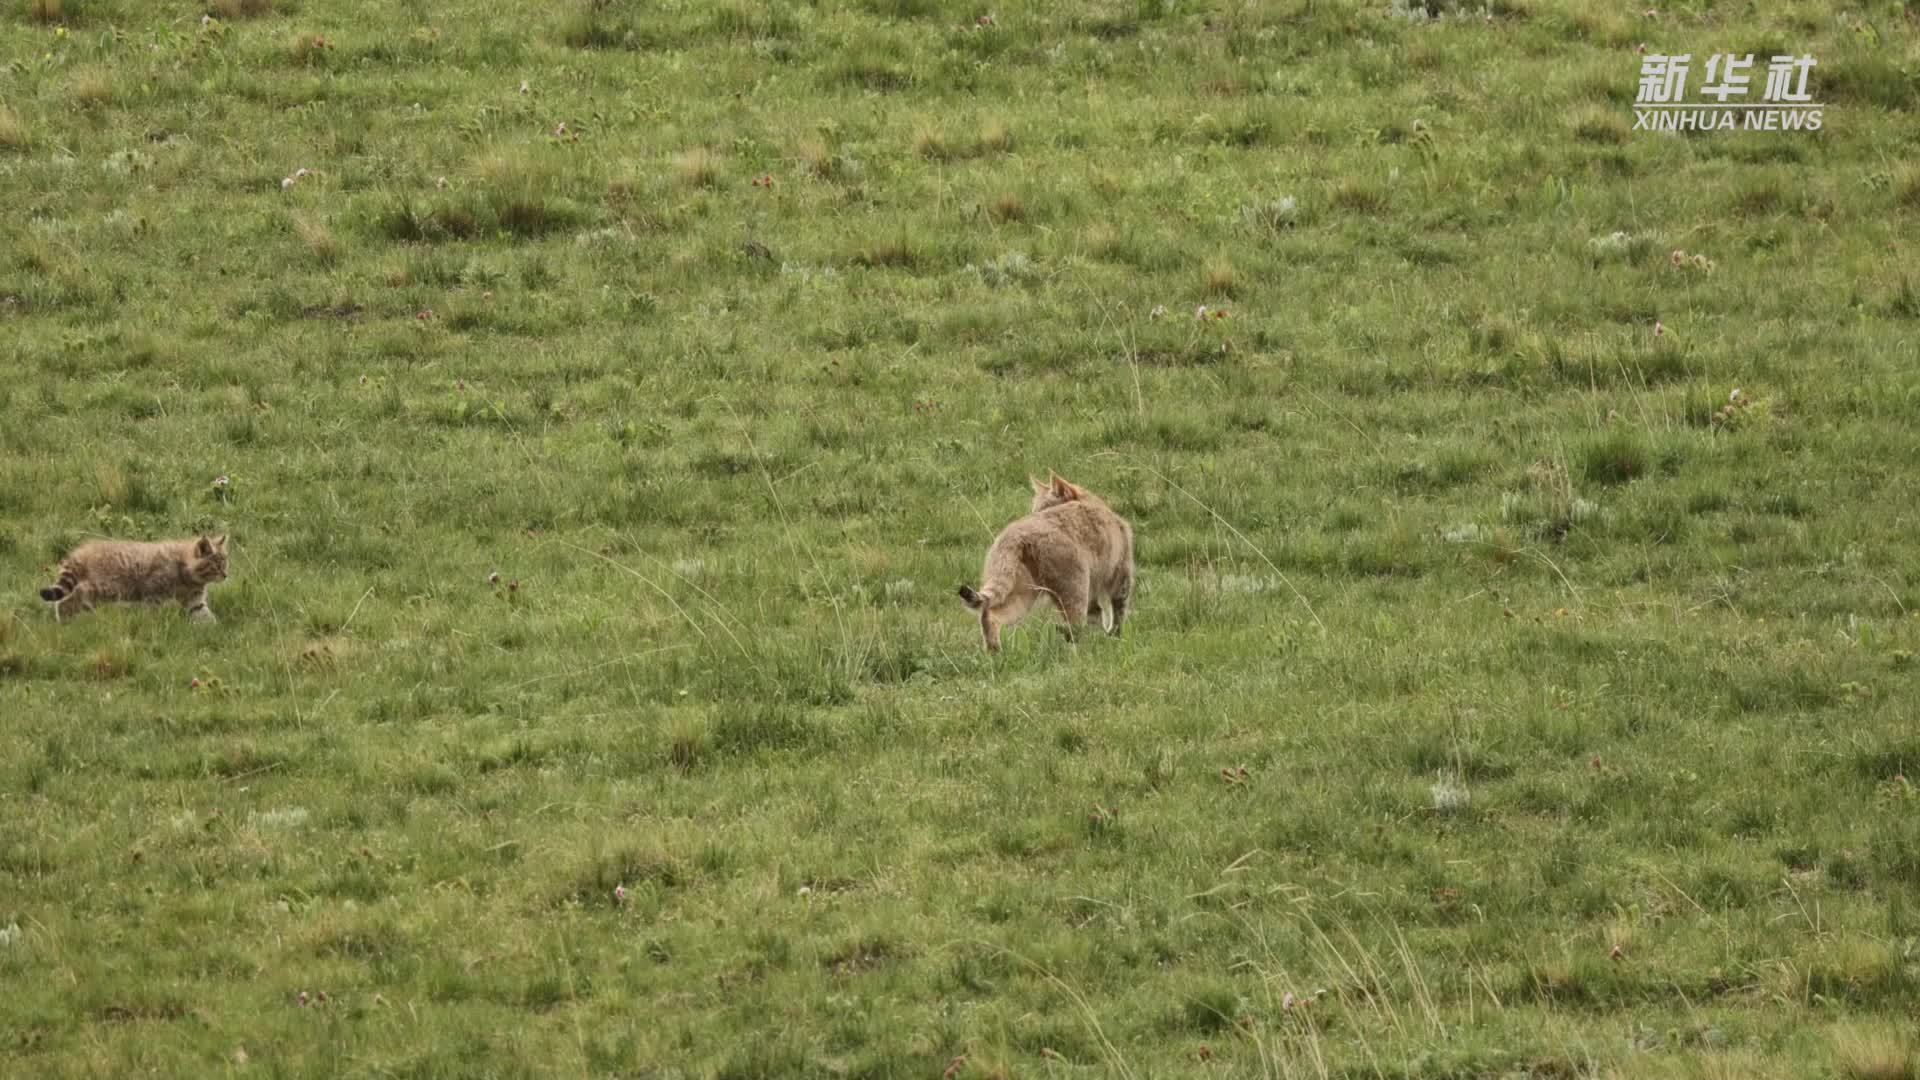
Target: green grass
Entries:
(1573, 703)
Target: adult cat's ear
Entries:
(203, 548)
(220, 542)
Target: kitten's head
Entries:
(210, 558)
(1055, 492)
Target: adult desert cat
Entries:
(1071, 548)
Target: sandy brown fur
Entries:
(139, 571)
(1072, 549)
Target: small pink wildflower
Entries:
(1286, 1002)
(1678, 257)
(1658, 329)
(619, 894)
(493, 578)
(302, 999)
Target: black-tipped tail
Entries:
(59, 589)
(970, 598)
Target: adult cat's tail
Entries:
(60, 589)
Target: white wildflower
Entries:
(291, 817)
(1449, 795)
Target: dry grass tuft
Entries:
(109, 665)
(818, 159)
(895, 252)
(995, 137)
(306, 49)
(319, 240)
(91, 87)
(13, 134)
(323, 654)
(930, 144)
(1877, 1053)
(113, 483)
(1359, 195)
(697, 168)
(1007, 206)
(504, 170)
(1594, 124)
(1219, 276)
(1906, 183)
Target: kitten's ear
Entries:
(220, 542)
(1060, 485)
(204, 547)
(1038, 487)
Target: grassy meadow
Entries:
(609, 396)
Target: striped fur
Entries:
(102, 571)
(58, 591)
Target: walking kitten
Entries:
(140, 571)
(1072, 548)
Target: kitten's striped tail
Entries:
(60, 589)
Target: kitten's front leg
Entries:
(197, 608)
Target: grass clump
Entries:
(13, 133)
(91, 87)
(697, 168)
